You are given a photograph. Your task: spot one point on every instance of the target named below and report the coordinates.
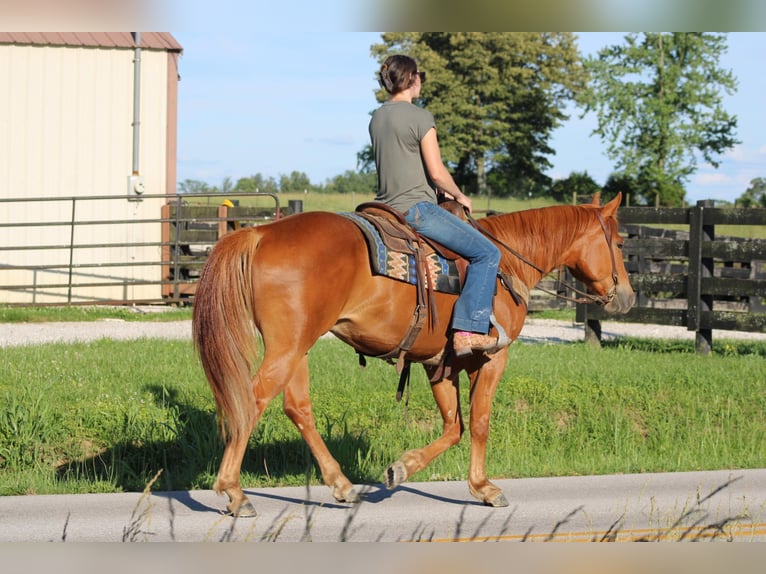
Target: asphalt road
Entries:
(724, 505)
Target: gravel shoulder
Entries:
(535, 331)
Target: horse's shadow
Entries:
(189, 460)
(369, 493)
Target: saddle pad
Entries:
(400, 265)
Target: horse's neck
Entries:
(542, 236)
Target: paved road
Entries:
(535, 331)
(728, 505)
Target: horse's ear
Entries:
(596, 198)
(611, 208)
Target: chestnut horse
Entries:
(267, 293)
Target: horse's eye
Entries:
(620, 246)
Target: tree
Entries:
(297, 181)
(580, 183)
(628, 186)
(658, 103)
(226, 185)
(364, 183)
(755, 195)
(496, 98)
(194, 186)
(256, 183)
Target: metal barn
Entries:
(87, 152)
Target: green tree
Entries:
(580, 183)
(658, 103)
(353, 182)
(297, 181)
(194, 186)
(226, 185)
(629, 186)
(755, 195)
(256, 183)
(496, 97)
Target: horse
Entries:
(266, 294)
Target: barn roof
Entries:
(149, 40)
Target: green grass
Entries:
(107, 416)
(12, 314)
(348, 201)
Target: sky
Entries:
(273, 99)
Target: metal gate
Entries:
(108, 250)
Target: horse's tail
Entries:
(224, 331)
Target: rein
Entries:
(585, 296)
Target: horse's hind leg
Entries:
(297, 406)
(268, 382)
(447, 396)
(228, 474)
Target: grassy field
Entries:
(348, 202)
(107, 416)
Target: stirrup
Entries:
(503, 340)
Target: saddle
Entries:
(398, 251)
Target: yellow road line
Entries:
(729, 531)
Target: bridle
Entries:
(585, 297)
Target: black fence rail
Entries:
(691, 278)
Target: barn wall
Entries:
(67, 115)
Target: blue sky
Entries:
(273, 99)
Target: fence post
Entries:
(166, 288)
(296, 205)
(592, 332)
(71, 251)
(699, 268)
(177, 251)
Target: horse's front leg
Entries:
(447, 396)
(484, 382)
(297, 406)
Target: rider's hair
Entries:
(397, 73)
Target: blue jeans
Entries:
(474, 305)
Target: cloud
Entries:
(712, 178)
(746, 153)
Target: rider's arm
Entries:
(442, 179)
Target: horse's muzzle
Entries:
(622, 301)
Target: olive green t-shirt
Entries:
(396, 129)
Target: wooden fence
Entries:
(691, 278)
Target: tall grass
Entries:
(108, 416)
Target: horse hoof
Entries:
(497, 502)
(351, 496)
(243, 510)
(395, 475)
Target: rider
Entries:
(410, 175)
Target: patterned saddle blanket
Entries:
(392, 252)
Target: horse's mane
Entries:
(540, 234)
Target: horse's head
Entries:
(600, 262)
